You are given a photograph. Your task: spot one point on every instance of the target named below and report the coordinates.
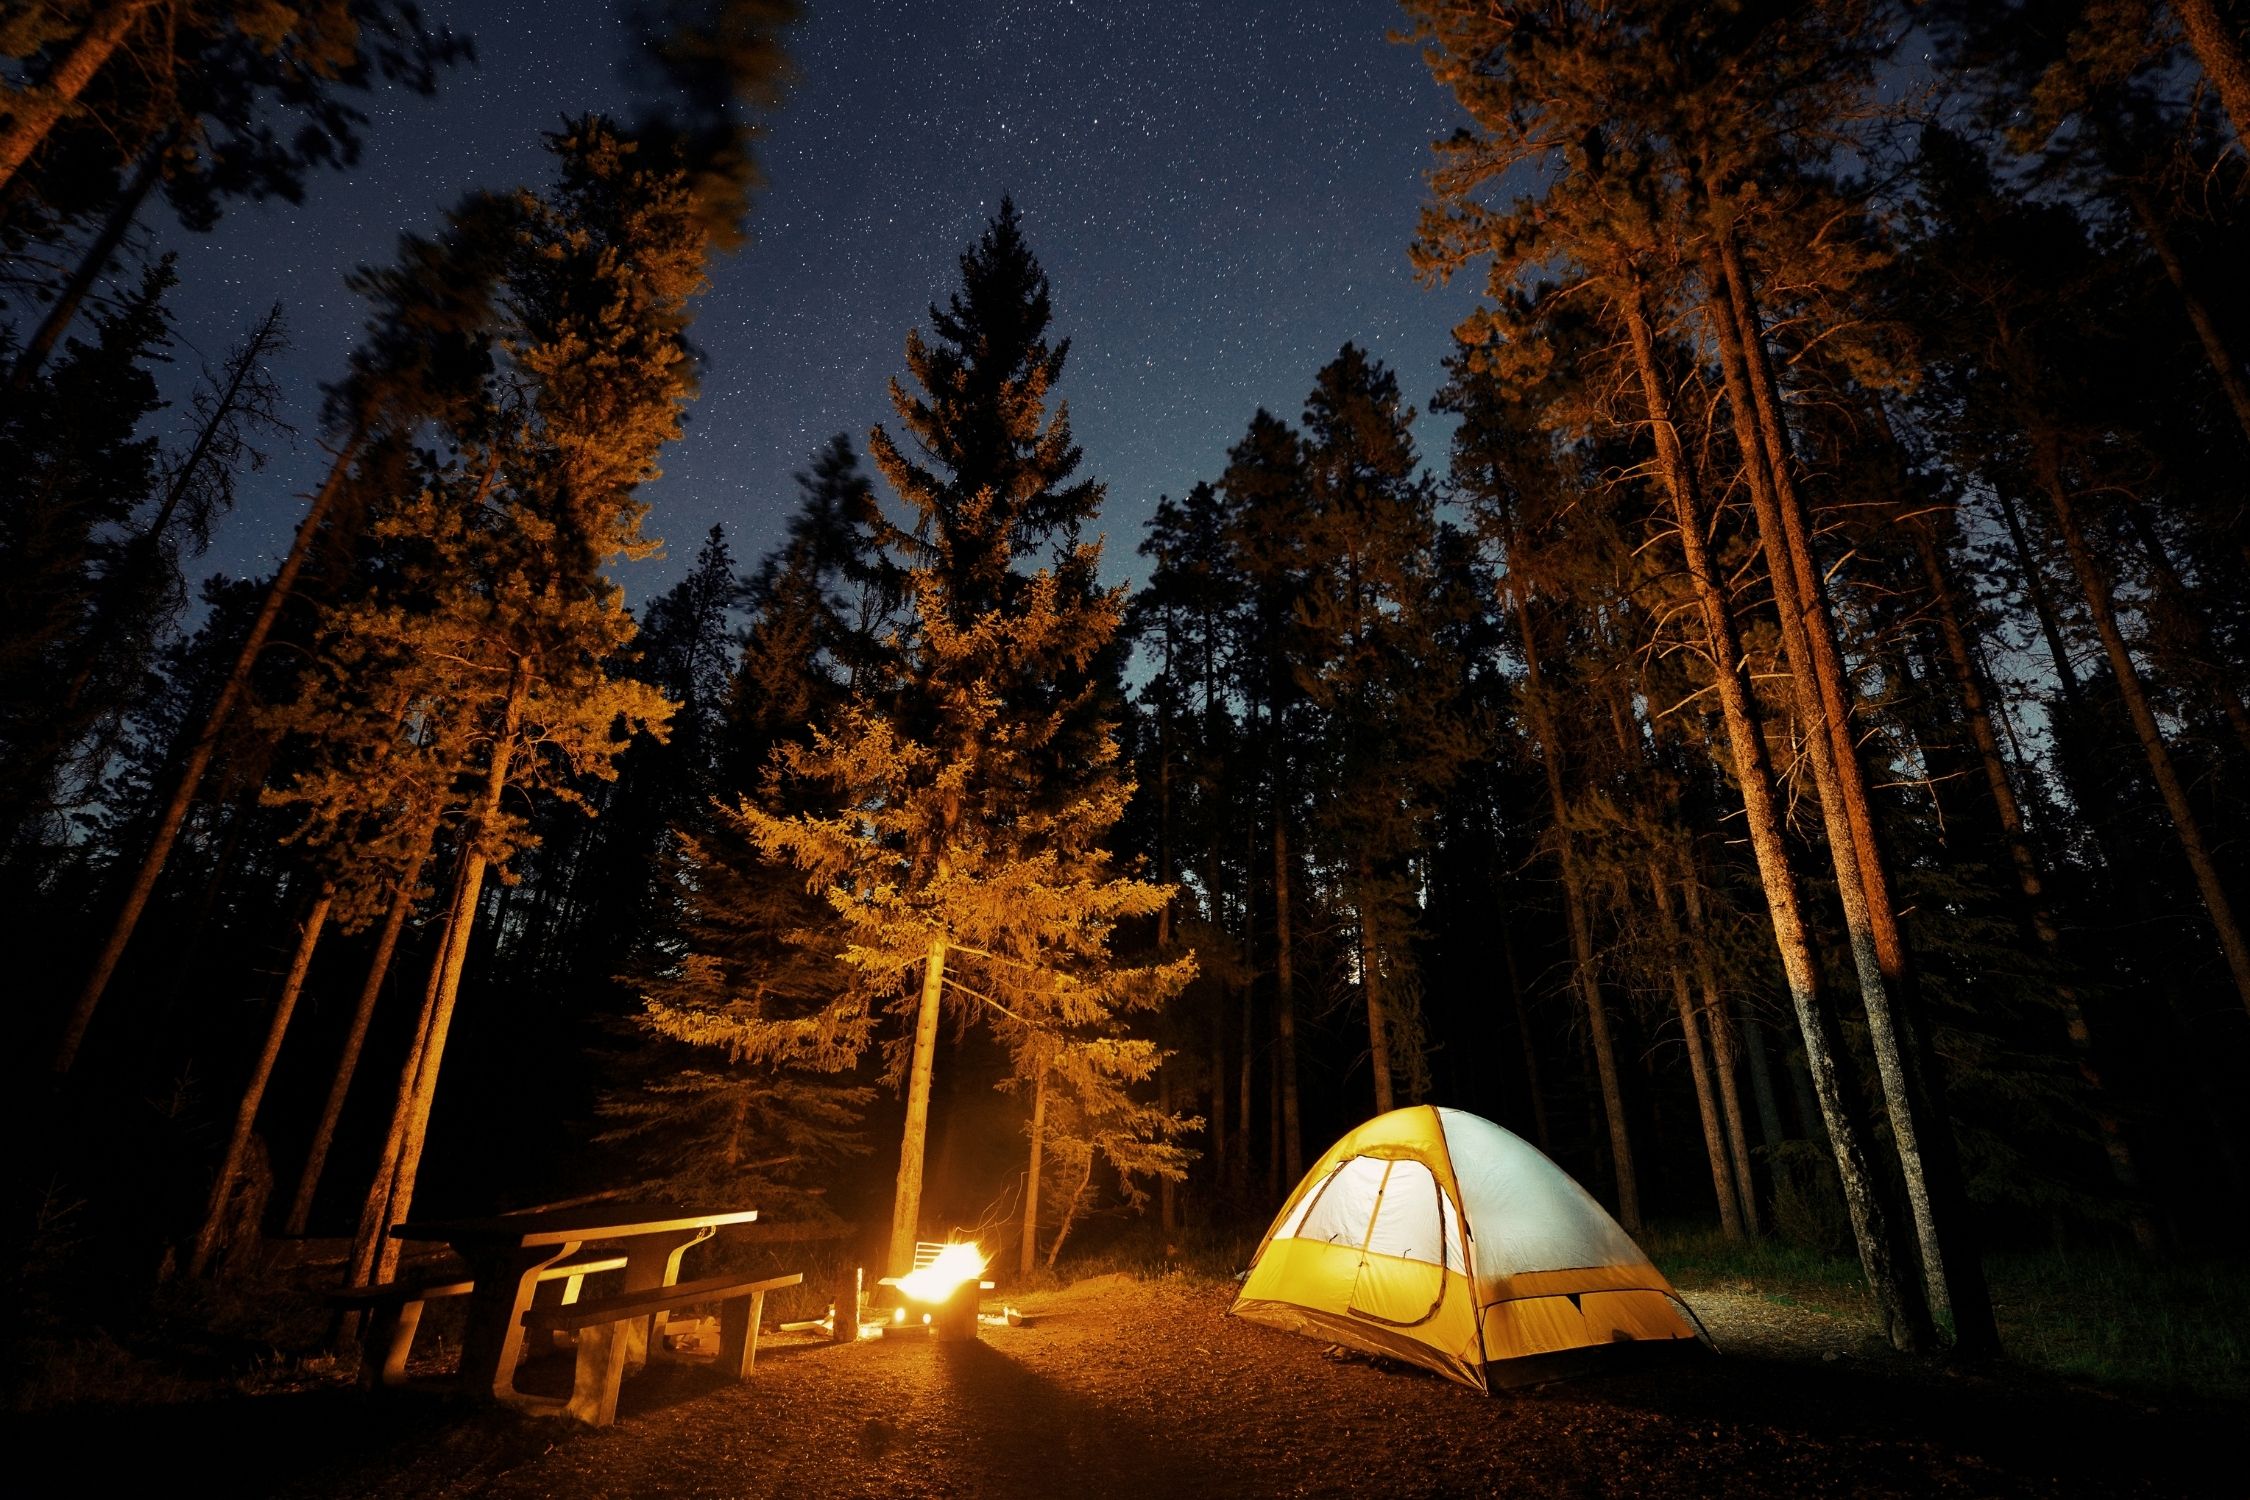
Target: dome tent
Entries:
(1435, 1236)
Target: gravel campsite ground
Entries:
(1145, 1388)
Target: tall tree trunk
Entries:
(198, 761)
(254, 1092)
(1706, 1093)
(1220, 1154)
(1167, 1191)
(372, 1253)
(2152, 738)
(91, 264)
(906, 1204)
(1028, 1256)
(2216, 352)
(2185, 826)
(1245, 1111)
(1718, 1017)
(2218, 48)
(1285, 1005)
(1770, 1128)
(1968, 682)
(1901, 1313)
(1070, 1211)
(363, 1014)
(1539, 1127)
(1164, 809)
(453, 955)
(1371, 986)
(1824, 695)
(2028, 567)
(1585, 976)
(36, 110)
(2203, 662)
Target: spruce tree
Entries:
(973, 794)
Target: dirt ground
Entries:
(1146, 1389)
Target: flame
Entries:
(942, 1277)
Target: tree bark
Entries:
(1951, 1265)
(2185, 826)
(198, 761)
(1718, 1018)
(1770, 1128)
(254, 1092)
(906, 1204)
(35, 111)
(372, 1253)
(453, 956)
(1028, 1257)
(1706, 1094)
(2219, 50)
(1070, 1211)
(363, 1014)
(1900, 1312)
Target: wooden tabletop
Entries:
(558, 1226)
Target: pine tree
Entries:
(972, 796)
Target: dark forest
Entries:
(1769, 731)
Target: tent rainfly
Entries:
(1437, 1237)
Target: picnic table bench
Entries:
(604, 1327)
(394, 1308)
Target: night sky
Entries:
(1221, 191)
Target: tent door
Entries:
(1395, 1284)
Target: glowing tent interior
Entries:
(1437, 1237)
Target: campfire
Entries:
(943, 1288)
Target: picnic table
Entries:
(506, 1253)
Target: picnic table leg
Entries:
(739, 1320)
(601, 1366)
(651, 1261)
(493, 1338)
(386, 1341)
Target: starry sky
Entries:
(1221, 192)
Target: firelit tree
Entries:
(518, 625)
(424, 359)
(203, 101)
(971, 795)
(1593, 97)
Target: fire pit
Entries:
(942, 1289)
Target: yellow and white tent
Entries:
(1437, 1237)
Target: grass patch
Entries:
(2119, 1320)
(2107, 1317)
(1775, 1269)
